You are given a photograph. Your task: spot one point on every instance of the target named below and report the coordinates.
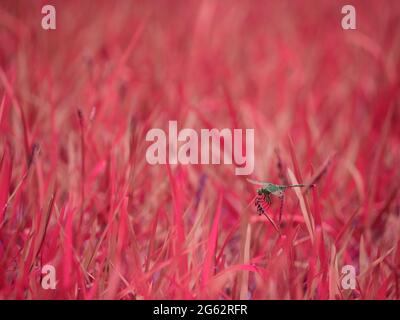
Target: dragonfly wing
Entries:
(278, 193)
(260, 183)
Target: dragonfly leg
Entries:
(268, 200)
(262, 202)
(258, 203)
(281, 207)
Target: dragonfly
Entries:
(263, 199)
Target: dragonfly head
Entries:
(260, 191)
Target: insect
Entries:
(263, 199)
